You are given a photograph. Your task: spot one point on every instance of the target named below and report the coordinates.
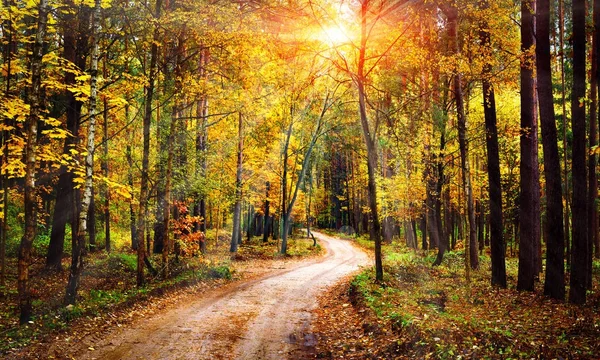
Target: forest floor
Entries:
(265, 315)
(108, 298)
(421, 312)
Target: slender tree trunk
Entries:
(527, 219)
(593, 136)
(143, 207)
(593, 140)
(369, 138)
(493, 166)
(31, 129)
(237, 212)
(452, 14)
(105, 166)
(554, 285)
(266, 220)
(578, 280)
(77, 259)
(561, 26)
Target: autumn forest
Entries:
(427, 168)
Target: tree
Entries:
(579, 255)
(554, 285)
(493, 161)
(528, 218)
(472, 251)
(77, 258)
(144, 191)
(31, 130)
(369, 136)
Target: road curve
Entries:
(266, 318)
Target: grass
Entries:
(432, 312)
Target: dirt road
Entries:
(266, 318)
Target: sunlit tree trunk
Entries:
(104, 165)
(554, 285)
(561, 28)
(452, 14)
(78, 255)
(143, 207)
(578, 280)
(369, 139)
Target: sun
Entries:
(335, 35)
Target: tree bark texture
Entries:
(578, 280)
(554, 285)
(527, 219)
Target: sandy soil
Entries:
(265, 318)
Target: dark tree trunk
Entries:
(238, 189)
(91, 223)
(578, 281)
(63, 208)
(30, 203)
(267, 203)
(554, 285)
(493, 167)
(593, 237)
(144, 191)
(527, 219)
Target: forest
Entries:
(148, 146)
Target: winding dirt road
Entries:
(267, 318)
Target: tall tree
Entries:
(554, 285)
(579, 254)
(593, 236)
(65, 209)
(31, 130)
(237, 212)
(473, 253)
(527, 217)
(78, 251)
(369, 135)
(493, 160)
(144, 191)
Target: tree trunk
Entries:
(64, 212)
(77, 258)
(105, 167)
(369, 139)
(31, 129)
(578, 281)
(143, 207)
(237, 212)
(266, 232)
(493, 166)
(452, 14)
(554, 285)
(527, 219)
(132, 220)
(592, 210)
(561, 26)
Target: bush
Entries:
(220, 272)
(122, 262)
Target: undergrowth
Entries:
(433, 312)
